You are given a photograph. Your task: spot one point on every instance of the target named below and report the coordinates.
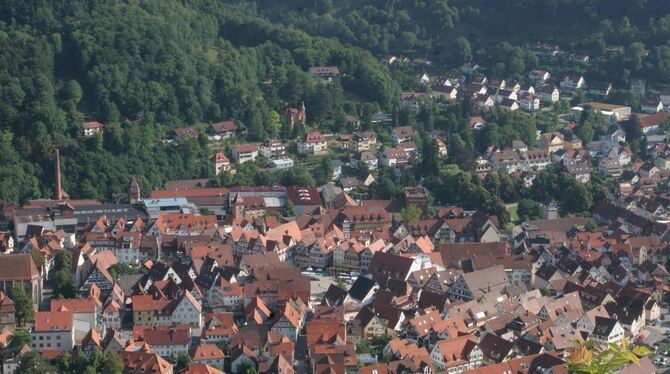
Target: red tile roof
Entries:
(53, 321)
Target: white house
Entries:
(245, 152)
(393, 157)
(168, 341)
(549, 93)
(292, 319)
(529, 102)
(53, 330)
(313, 143)
(606, 331)
(651, 105)
(572, 82)
(457, 355)
(188, 311)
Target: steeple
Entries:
(59, 189)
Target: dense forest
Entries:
(146, 67)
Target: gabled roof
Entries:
(495, 348)
(18, 267)
(361, 288)
(140, 362)
(53, 321)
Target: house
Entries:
(475, 285)
(185, 133)
(393, 157)
(457, 355)
(348, 184)
(572, 82)
(92, 128)
(91, 343)
(484, 102)
(651, 105)
(312, 143)
(505, 94)
(290, 319)
(241, 355)
(581, 171)
(539, 75)
(447, 92)
(509, 104)
(280, 164)
(208, 354)
(167, 340)
(245, 152)
(549, 94)
(402, 134)
(141, 362)
(53, 330)
(652, 123)
(607, 331)
(361, 293)
(496, 349)
(600, 88)
(273, 148)
(476, 123)
(529, 102)
(365, 140)
(7, 310)
(369, 160)
(222, 130)
(551, 141)
(325, 73)
(85, 314)
(221, 163)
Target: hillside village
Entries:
(208, 277)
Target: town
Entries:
(201, 278)
(235, 187)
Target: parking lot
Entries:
(658, 337)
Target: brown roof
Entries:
(224, 126)
(174, 336)
(18, 267)
(245, 148)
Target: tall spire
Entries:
(59, 189)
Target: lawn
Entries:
(512, 210)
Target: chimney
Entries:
(59, 190)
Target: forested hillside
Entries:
(146, 67)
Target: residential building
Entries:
(53, 330)
(92, 128)
(245, 152)
(312, 143)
